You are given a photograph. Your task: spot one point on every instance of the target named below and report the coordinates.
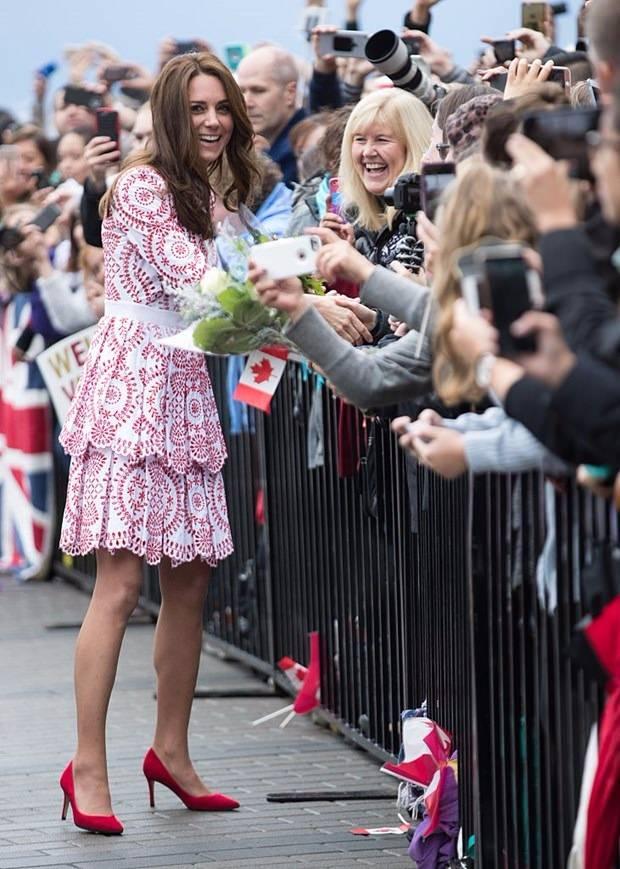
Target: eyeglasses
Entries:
(596, 141)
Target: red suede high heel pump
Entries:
(154, 770)
(108, 825)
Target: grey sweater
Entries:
(370, 377)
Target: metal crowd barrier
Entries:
(421, 590)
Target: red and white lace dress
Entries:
(143, 430)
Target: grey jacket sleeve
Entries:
(366, 378)
(401, 297)
(496, 443)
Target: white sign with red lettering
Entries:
(61, 366)
(260, 377)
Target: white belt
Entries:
(144, 314)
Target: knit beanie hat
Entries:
(464, 128)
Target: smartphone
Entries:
(186, 46)
(9, 160)
(535, 15)
(234, 54)
(10, 237)
(504, 50)
(43, 179)
(559, 75)
(562, 133)
(509, 287)
(335, 196)
(312, 16)
(118, 73)
(108, 124)
(413, 43)
(46, 217)
(287, 257)
(76, 96)
(343, 43)
(434, 179)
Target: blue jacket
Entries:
(282, 153)
(275, 212)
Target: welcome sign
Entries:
(61, 367)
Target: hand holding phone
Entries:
(497, 277)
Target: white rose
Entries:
(213, 282)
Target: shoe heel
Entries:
(151, 792)
(65, 807)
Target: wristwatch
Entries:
(483, 370)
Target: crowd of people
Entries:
(469, 221)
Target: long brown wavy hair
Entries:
(174, 149)
(482, 203)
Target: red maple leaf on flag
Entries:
(262, 370)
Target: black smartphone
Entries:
(504, 50)
(10, 237)
(76, 96)
(413, 43)
(561, 75)
(46, 217)
(108, 124)
(535, 15)
(186, 46)
(434, 178)
(118, 73)
(562, 133)
(43, 179)
(509, 288)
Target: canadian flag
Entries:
(260, 377)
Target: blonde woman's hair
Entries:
(482, 203)
(410, 122)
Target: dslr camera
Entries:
(405, 194)
(390, 55)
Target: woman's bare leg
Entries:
(98, 646)
(178, 642)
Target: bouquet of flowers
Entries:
(223, 309)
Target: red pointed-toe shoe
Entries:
(154, 770)
(108, 825)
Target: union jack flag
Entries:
(26, 460)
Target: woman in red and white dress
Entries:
(143, 430)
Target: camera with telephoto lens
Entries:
(390, 55)
(405, 194)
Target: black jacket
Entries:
(89, 212)
(580, 420)
(581, 287)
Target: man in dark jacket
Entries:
(268, 80)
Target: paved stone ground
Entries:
(37, 736)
